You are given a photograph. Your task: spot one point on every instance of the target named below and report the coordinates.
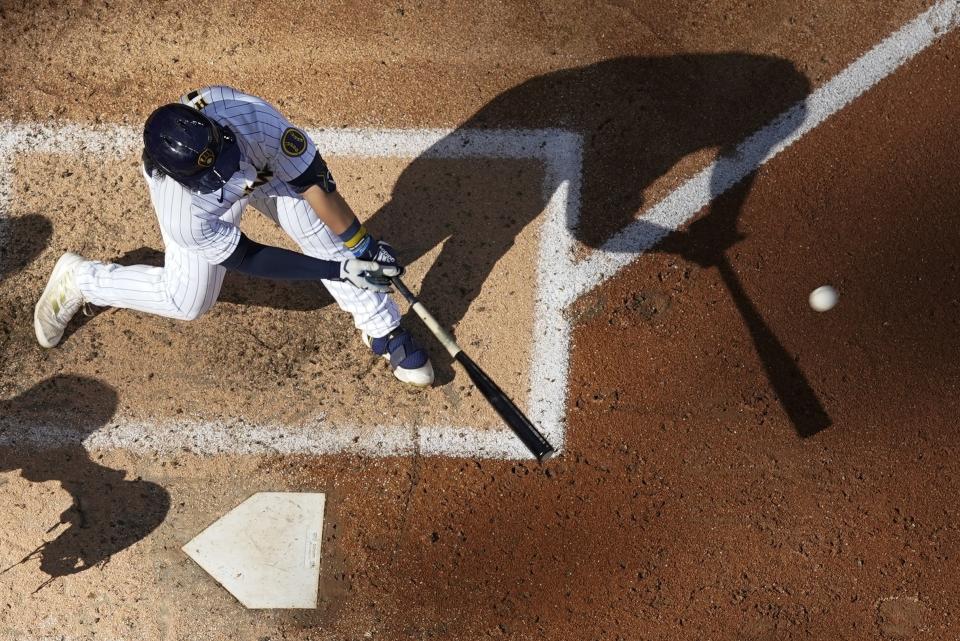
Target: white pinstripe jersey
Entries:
(273, 152)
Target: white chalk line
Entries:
(561, 280)
(690, 198)
(557, 149)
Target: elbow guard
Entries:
(316, 174)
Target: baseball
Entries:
(823, 298)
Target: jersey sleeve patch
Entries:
(293, 142)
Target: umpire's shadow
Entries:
(41, 434)
(638, 118)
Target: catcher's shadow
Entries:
(41, 434)
(638, 118)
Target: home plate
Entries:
(266, 551)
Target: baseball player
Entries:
(204, 159)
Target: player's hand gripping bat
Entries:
(506, 408)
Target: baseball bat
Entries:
(507, 409)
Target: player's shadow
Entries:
(638, 118)
(245, 290)
(41, 434)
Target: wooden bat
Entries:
(508, 411)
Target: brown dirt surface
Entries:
(291, 335)
(737, 466)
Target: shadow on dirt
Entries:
(22, 238)
(638, 118)
(41, 434)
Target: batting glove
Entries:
(365, 247)
(369, 275)
(382, 252)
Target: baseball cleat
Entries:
(409, 361)
(59, 302)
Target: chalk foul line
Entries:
(690, 198)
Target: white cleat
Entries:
(420, 377)
(405, 351)
(59, 302)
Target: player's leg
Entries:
(375, 314)
(184, 288)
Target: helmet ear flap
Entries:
(148, 165)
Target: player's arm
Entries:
(299, 164)
(319, 189)
(265, 261)
(222, 243)
(330, 208)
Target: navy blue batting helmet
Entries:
(192, 149)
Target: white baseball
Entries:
(823, 298)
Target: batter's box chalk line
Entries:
(561, 277)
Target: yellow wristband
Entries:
(354, 240)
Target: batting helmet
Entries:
(192, 149)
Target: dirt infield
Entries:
(736, 465)
(265, 353)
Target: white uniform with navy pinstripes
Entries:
(199, 232)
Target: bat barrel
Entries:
(507, 409)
